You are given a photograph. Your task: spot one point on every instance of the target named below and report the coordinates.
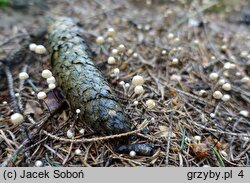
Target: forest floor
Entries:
(193, 55)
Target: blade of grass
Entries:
(50, 161)
(183, 138)
(218, 156)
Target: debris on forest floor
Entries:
(181, 71)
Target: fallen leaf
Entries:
(63, 117)
(201, 150)
(32, 107)
(164, 132)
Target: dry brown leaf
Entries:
(33, 107)
(164, 132)
(201, 150)
(63, 117)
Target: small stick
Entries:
(67, 157)
(168, 140)
(26, 141)
(21, 84)
(12, 38)
(53, 151)
(17, 151)
(242, 153)
(14, 104)
(82, 140)
(19, 98)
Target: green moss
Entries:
(4, 3)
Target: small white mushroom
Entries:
(163, 52)
(175, 77)
(139, 90)
(122, 83)
(227, 65)
(213, 76)
(196, 41)
(135, 55)
(226, 87)
(217, 95)
(170, 35)
(137, 80)
(221, 81)
(116, 71)
(202, 93)
(51, 80)
(111, 32)
(99, 40)
(175, 61)
(111, 60)
(16, 118)
(245, 79)
(32, 46)
(114, 51)
(244, 54)
(212, 115)
(82, 131)
(136, 102)
(23, 75)
(78, 152)
(244, 113)
(129, 52)
(121, 48)
(150, 103)
(127, 85)
(132, 153)
(38, 163)
(70, 134)
(206, 166)
(224, 47)
(40, 49)
(197, 139)
(41, 95)
(226, 97)
(46, 73)
(52, 86)
(223, 153)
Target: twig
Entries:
(178, 90)
(17, 151)
(25, 142)
(21, 84)
(14, 104)
(19, 98)
(242, 153)
(168, 140)
(53, 151)
(67, 157)
(220, 131)
(215, 130)
(82, 140)
(12, 38)
(193, 14)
